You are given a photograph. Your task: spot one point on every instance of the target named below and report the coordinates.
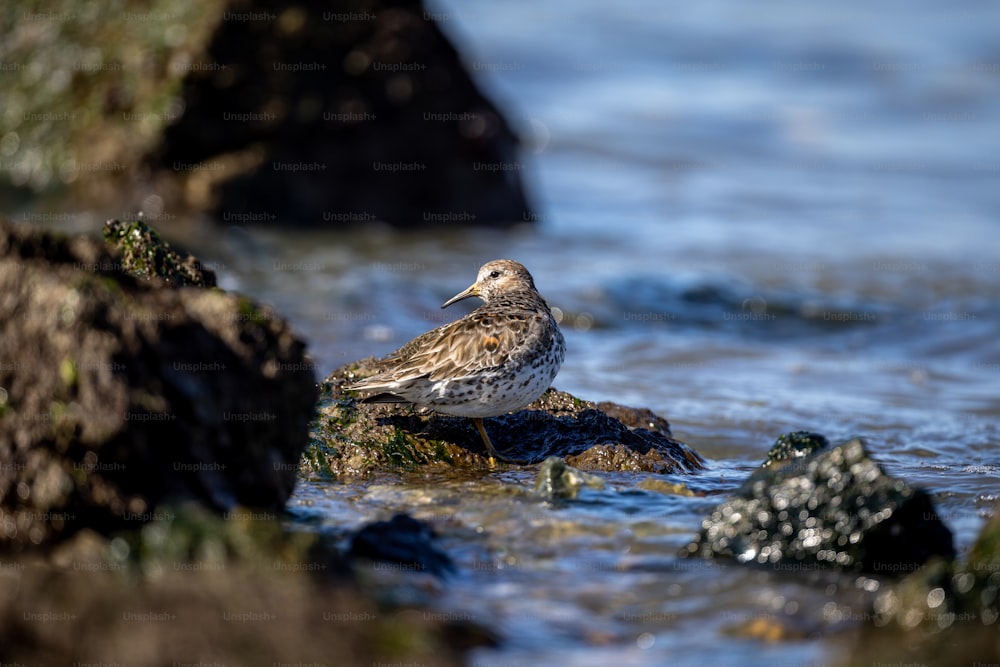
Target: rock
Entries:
(636, 417)
(352, 438)
(341, 115)
(194, 587)
(118, 394)
(146, 256)
(557, 480)
(984, 556)
(667, 488)
(949, 609)
(836, 508)
(793, 446)
(404, 541)
(93, 91)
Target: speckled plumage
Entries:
(495, 360)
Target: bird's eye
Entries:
(494, 274)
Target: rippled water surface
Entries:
(754, 219)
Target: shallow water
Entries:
(753, 220)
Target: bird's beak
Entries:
(472, 290)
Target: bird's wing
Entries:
(478, 342)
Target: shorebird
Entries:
(497, 359)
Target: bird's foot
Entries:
(492, 454)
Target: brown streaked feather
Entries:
(502, 355)
(457, 349)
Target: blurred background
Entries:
(752, 219)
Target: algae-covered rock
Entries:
(793, 446)
(144, 255)
(118, 394)
(836, 508)
(353, 438)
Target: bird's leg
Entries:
(493, 453)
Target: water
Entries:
(754, 219)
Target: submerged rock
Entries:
(556, 479)
(118, 394)
(353, 438)
(835, 508)
(404, 541)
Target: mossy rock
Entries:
(352, 438)
(146, 256)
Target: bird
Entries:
(495, 360)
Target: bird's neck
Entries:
(527, 299)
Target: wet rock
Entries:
(118, 394)
(636, 417)
(341, 115)
(556, 479)
(144, 255)
(793, 446)
(836, 508)
(352, 438)
(404, 541)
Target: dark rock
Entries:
(341, 114)
(402, 540)
(792, 446)
(259, 110)
(836, 508)
(942, 614)
(354, 438)
(643, 418)
(954, 604)
(557, 480)
(118, 394)
(144, 255)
